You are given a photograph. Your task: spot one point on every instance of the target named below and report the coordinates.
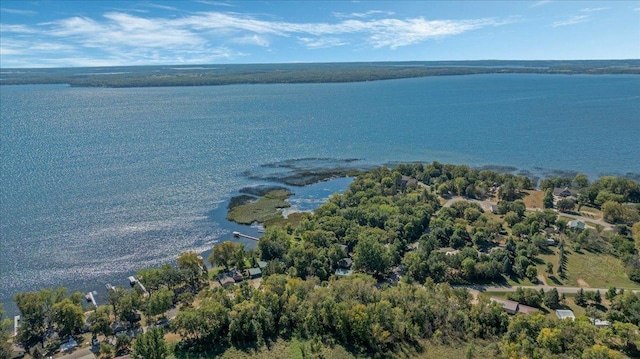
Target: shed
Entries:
(525, 309)
(565, 314)
(551, 242)
(600, 323)
(255, 272)
(262, 264)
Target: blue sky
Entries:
(113, 33)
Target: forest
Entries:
(227, 74)
(383, 270)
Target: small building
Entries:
(341, 272)
(564, 192)
(408, 182)
(132, 280)
(513, 307)
(255, 273)
(345, 263)
(345, 248)
(600, 323)
(551, 242)
(226, 281)
(262, 264)
(575, 224)
(565, 314)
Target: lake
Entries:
(97, 183)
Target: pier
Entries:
(238, 234)
(91, 299)
(16, 324)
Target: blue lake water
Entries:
(97, 183)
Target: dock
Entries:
(238, 234)
(16, 324)
(91, 299)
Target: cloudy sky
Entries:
(110, 33)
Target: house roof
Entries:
(255, 271)
(508, 305)
(525, 309)
(576, 224)
(226, 280)
(565, 314)
(564, 192)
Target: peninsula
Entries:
(408, 261)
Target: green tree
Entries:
(123, 344)
(160, 301)
(5, 347)
(581, 180)
(549, 267)
(100, 321)
(548, 199)
(552, 299)
(531, 272)
(150, 345)
(33, 318)
(371, 256)
(223, 254)
(192, 268)
(511, 218)
(580, 298)
(566, 204)
(68, 317)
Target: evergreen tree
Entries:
(580, 298)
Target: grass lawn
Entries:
(263, 210)
(533, 199)
(597, 270)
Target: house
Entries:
(600, 323)
(345, 263)
(225, 280)
(255, 273)
(513, 307)
(564, 193)
(565, 314)
(408, 182)
(509, 306)
(236, 275)
(575, 224)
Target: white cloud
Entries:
(593, 9)
(18, 11)
(362, 15)
(252, 40)
(321, 42)
(124, 38)
(577, 19)
(540, 3)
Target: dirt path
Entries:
(583, 283)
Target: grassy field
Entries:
(597, 270)
(533, 199)
(263, 210)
